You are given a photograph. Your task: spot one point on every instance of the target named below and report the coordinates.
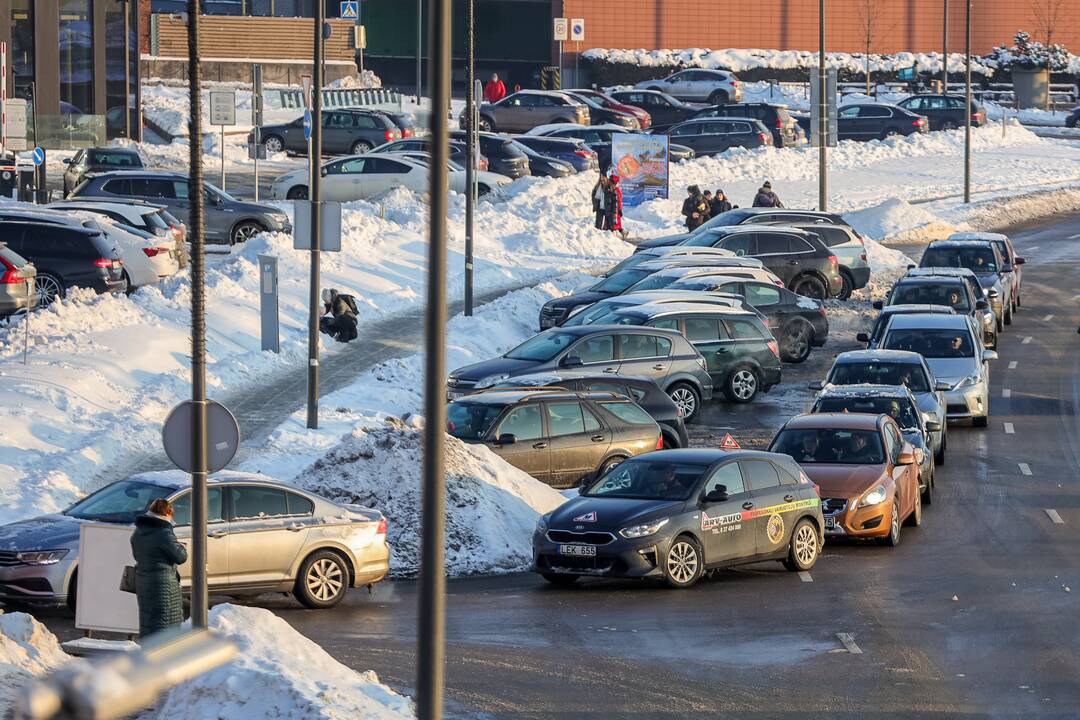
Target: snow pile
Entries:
(491, 506)
(27, 650)
(896, 221)
(366, 79)
(278, 673)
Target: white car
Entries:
(715, 87)
(361, 177)
(145, 217)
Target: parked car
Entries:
(895, 367)
(98, 160)
(713, 86)
(1011, 261)
(944, 112)
(709, 136)
(18, 283)
(775, 117)
(873, 338)
(662, 355)
(598, 138)
(950, 291)
(663, 108)
(542, 165)
(345, 130)
(749, 216)
(228, 221)
(1073, 118)
(403, 121)
(459, 151)
(560, 438)
(504, 157)
(866, 472)
(526, 109)
(569, 150)
(601, 312)
(142, 217)
(66, 257)
(897, 402)
(703, 279)
(953, 349)
(610, 103)
(871, 121)
(982, 258)
(265, 537)
(741, 355)
(798, 323)
(675, 515)
(798, 257)
(673, 252)
(601, 115)
(984, 313)
(850, 251)
(641, 390)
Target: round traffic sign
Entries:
(307, 124)
(39, 155)
(222, 436)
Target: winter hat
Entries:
(328, 294)
(767, 185)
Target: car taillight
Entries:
(155, 251)
(381, 530)
(775, 348)
(779, 123)
(104, 263)
(660, 443)
(862, 256)
(977, 116)
(583, 153)
(734, 83)
(833, 261)
(389, 135)
(10, 276)
(762, 137)
(406, 133)
(919, 122)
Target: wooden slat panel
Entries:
(253, 38)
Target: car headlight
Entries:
(541, 523)
(491, 380)
(41, 557)
(874, 497)
(970, 380)
(639, 531)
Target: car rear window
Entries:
(504, 147)
(745, 330)
(12, 258)
(114, 159)
(978, 259)
(627, 412)
(950, 294)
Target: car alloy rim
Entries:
(894, 527)
(47, 290)
(809, 289)
(246, 232)
(805, 545)
(273, 145)
(360, 147)
(684, 400)
(682, 562)
(798, 342)
(324, 579)
(744, 384)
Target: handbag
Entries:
(127, 579)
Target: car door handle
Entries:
(216, 534)
(658, 367)
(597, 438)
(747, 505)
(295, 527)
(610, 370)
(721, 351)
(792, 262)
(540, 445)
(789, 498)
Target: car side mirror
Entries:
(863, 337)
(323, 172)
(1019, 261)
(816, 385)
(942, 385)
(717, 494)
(66, 161)
(981, 304)
(907, 455)
(993, 294)
(506, 439)
(878, 304)
(933, 425)
(989, 355)
(583, 488)
(571, 361)
(911, 266)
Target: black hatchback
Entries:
(504, 156)
(708, 136)
(663, 108)
(66, 257)
(944, 112)
(773, 116)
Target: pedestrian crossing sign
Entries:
(350, 10)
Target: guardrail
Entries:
(357, 97)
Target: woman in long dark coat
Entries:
(157, 582)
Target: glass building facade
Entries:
(264, 8)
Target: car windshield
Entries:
(930, 294)
(979, 259)
(705, 239)
(120, 502)
(542, 347)
(829, 445)
(931, 343)
(218, 191)
(657, 281)
(877, 373)
(598, 313)
(731, 217)
(470, 421)
(898, 408)
(645, 480)
(632, 261)
(620, 281)
(114, 159)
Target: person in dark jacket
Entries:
(766, 197)
(599, 201)
(719, 203)
(694, 208)
(157, 555)
(341, 325)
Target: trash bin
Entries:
(26, 183)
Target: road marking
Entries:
(805, 576)
(1012, 364)
(1025, 469)
(1006, 392)
(1048, 318)
(1026, 340)
(848, 641)
(1054, 517)
(1009, 430)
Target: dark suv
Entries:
(570, 150)
(663, 355)
(944, 112)
(459, 151)
(798, 257)
(748, 216)
(773, 116)
(709, 136)
(66, 257)
(98, 160)
(741, 355)
(504, 157)
(662, 108)
(348, 131)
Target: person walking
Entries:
(613, 204)
(693, 208)
(495, 90)
(157, 555)
(719, 203)
(766, 197)
(341, 325)
(599, 201)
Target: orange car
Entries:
(866, 472)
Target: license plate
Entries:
(454, 395)
(578, 550)
(830, 523)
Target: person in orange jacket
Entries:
(494, 91)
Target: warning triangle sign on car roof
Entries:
(729, 443)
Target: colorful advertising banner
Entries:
(642, 164)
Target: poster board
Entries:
(642, 164)
(104, 550)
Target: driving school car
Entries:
(674, 514)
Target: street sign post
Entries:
(257, 149)
(222, 434)
(350, 10)
(561, 34)
(329, 221)
(577, 34)
(223, 112)
(15, 125)
(38, 156)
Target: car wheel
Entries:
(559, 579)
(671, 442)
(359, 147)
(684, 563)
(73, 591)
(980, 422)
(486, 124)
(323, 580)
(939, 456)
(482, 189)
(741, 385)
(795, 341)
(915, 518)
(893, 538)
(803, 550)
(245, 231)
(686, 398)
(297, 193)
(1000, 324)
(1018, 303)
(607, 466)
(810, 286)
(1008, 315)
(719, 97)
(49, 288)
(949, 125)
(928, 492)
(273, 144)
(847, 285)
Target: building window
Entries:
(22, 46)
(76, 58)
(116, 97)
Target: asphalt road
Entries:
(974, 615)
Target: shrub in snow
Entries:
(491, 506)
(27, 650)
(1028, 54)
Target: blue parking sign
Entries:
(350, 10)
(39, 156)
(307, 124)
